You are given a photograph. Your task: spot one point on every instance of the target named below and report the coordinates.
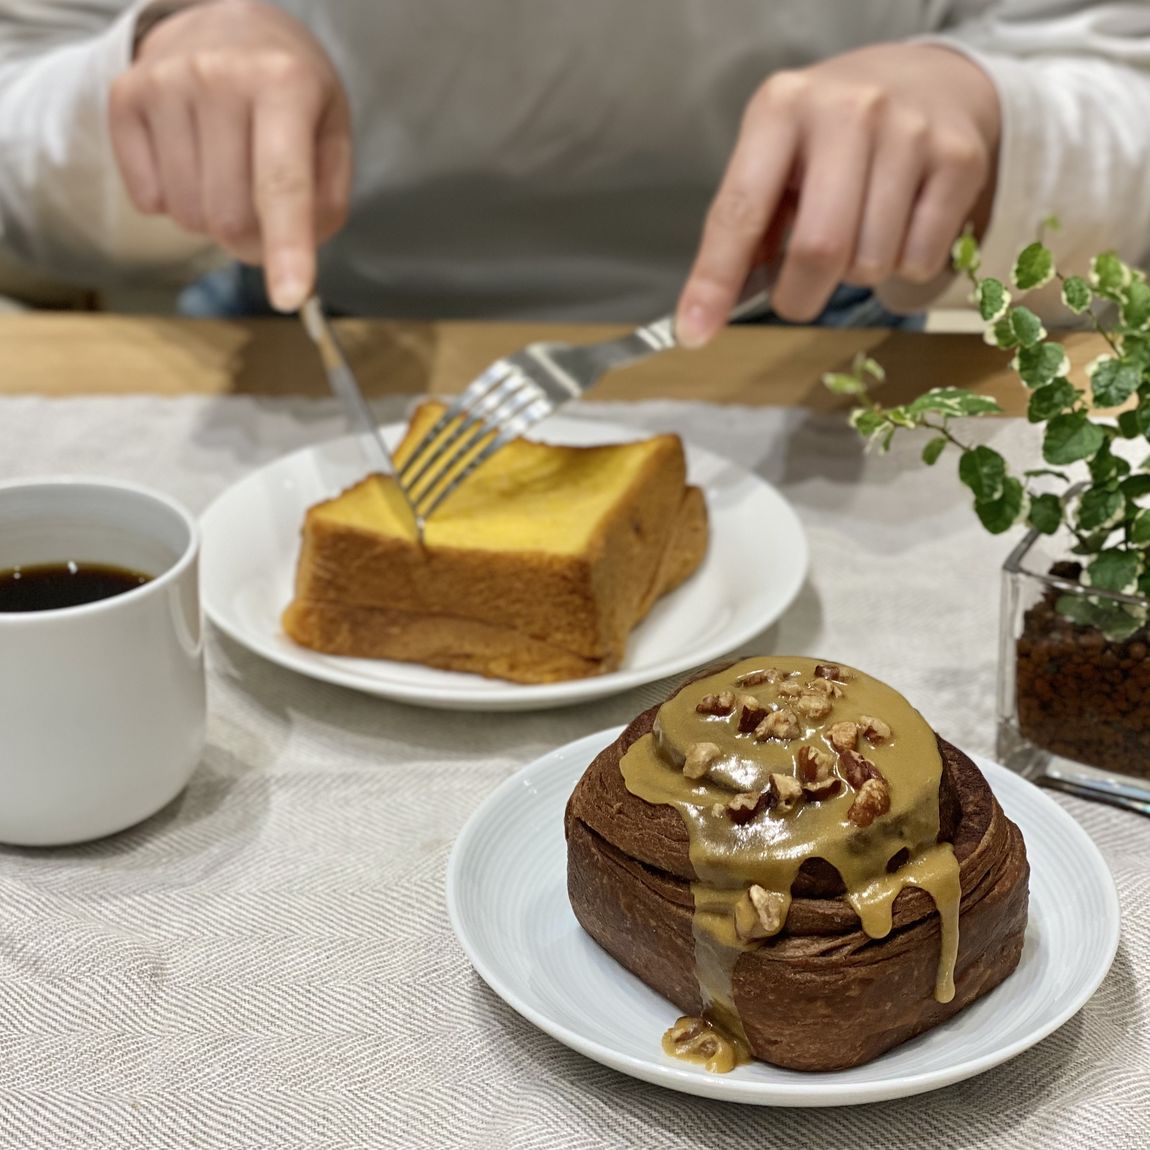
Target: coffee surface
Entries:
(50, 586)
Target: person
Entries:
(603, 160)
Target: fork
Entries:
(516, 392)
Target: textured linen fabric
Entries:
(268, 961)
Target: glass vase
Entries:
(1074, 678)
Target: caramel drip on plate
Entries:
(768, 850)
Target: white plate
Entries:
(507, 897)
(747, 580)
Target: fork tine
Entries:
(477, 413)
(537, 407)
(472, 394)
(513, 394)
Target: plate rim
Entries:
(812, 1093)
(507, 696)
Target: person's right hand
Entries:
(233, 122)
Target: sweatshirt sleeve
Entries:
(1074, 86)
(63, 205)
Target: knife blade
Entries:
(346, 389)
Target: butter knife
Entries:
(344, 386)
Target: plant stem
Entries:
(942, 430)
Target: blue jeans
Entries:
(237, 290)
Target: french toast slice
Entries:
(536, 570)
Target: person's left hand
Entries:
(873, 160)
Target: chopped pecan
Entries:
(744, 806)
(813, 706)
(699, 759)
(697, 1040)
(781, 724)
(759, 913)
(872, 800)
(826, 687)
(818, 789)
(784, 792)
(844, 736)
(751, 715)
(755, 678)
(830, 671)
(857, 769)
(791, 689)
(875, 731)
(813, 764)
(721, 704)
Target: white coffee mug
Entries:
(103, 705)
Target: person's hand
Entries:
(233, 122)
(874, 161)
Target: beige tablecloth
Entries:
(268, 962)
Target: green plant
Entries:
(1107, 512)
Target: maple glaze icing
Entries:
(768, 850)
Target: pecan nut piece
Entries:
(844, 736)
(755, 678)
(698, 1040)
(699, 759)
(784, 793)
(872, 800)
(813, 764)
(752, 714)
(826, 687)
(791, 689)
(721, 704)
(813, 706)
(819, 789)
(856, 769)
(830, 671)
(759, 913)
(781, 724)
(744, 806)
(875, 731)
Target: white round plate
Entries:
(507, 897)
(747, 580)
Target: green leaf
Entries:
(1076, 294)
(1136, 305)
(863, 365)
(1113, 381)
(953, 401)
(1035, 472)
(1091, 544)
(1114, 570)
(1136, 486)
(1139, 532)
(1045, 513)
(934, 448)
(1070, 437)
(842, 384)
(1136, 349)
(1048, 401)
(1106, 466)
(983, 470)
(992, 299)
(1001, 334)
(1027, 327)
(1108, 274)
(1041, 363)
(1100, 508)
(999, 515)
(1128, 425)
(1115, 620)
(868, 421)
(964, 253)
(1033, 268)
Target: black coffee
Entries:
(49, 586)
